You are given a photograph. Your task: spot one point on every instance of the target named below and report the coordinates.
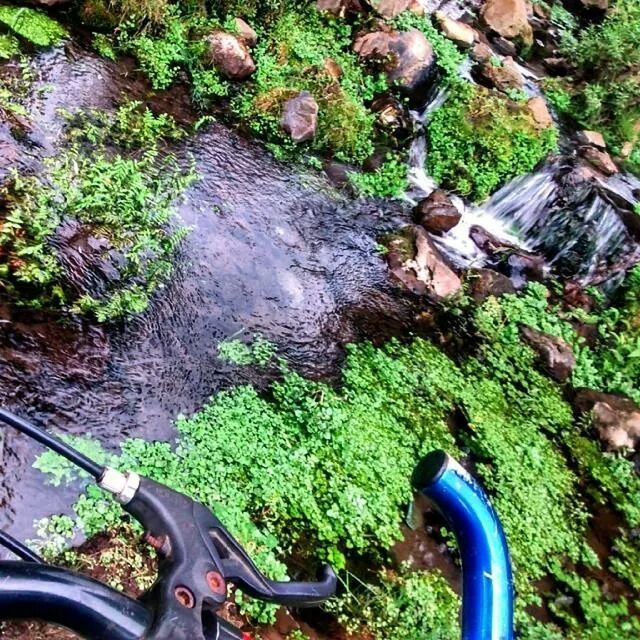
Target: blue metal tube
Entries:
(487, 581)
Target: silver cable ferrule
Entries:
(122, 485)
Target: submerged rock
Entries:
(418, 265)
(509, 19)
(300, 117)
(616, 418)
(436, 213)
(407, 56)
(230, 55)
(555, 355)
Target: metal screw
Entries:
(216, 582)
(185, 597)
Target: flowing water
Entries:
(271, 251)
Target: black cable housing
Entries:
(53, 443)
(17, 548)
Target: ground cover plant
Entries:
(603, 90)
(319, 458)
(93, 231)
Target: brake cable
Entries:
(197, 555)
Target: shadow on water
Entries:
(270, 252)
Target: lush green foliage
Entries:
(479, 139)
(604, 93)
(32, 25)
(124, 203)
(417, 604)
(387, 181)
(295, 55)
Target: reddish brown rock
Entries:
(504, 76)
(481, 51)
(555, 355)
(509, 19)
(426, 271)
(593, 138)
(487, 282)
(616, 418)
(407, 56)
(246, 33)
(601, 160)
(391, 8)
(436, 213)
(540, 113)
(230, 55)
(340, 7)
(300, 117)
(459, 32)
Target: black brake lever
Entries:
(197, 558)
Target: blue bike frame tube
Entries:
(487, 581)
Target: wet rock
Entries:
(459, 32)
(340, 7)
(46, 4)
(407, 56)
(503, 76)
(616, 418)
(504, 46)
(436, 213)
(481, 51)
(485, 283)
(246, 34)
(601, 5)
(391, 8)
(593, 138)
(509, 19)
(391, 113)
(557, 65)
(424, 271)
(601, 160)
(230, 55)
(555, 355)
(300, 117)
(520, 265)
(540, 113)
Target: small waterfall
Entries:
(571, 219)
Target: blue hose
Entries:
(487, 581)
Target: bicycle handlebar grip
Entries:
(487, 591)
(55, 595)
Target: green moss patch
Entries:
(32, 25)
(478, 140)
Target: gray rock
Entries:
(555, 355)
(300, 117)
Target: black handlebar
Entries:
(88, 607)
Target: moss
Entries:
(32, 25)
(478, 140)
(9, 46)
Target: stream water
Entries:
(270, 252)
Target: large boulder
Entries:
(616, 418)
(230, 55)
(436, 213)
(407, 56)
(424, 271)
(509, 19)
(300, 117)
(555, 355)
